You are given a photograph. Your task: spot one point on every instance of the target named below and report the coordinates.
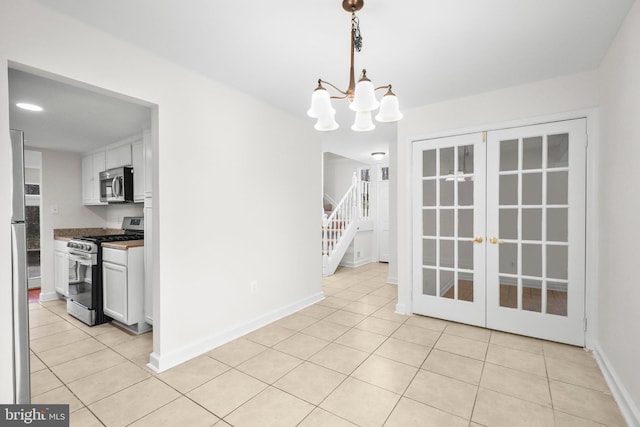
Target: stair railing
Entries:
(354, 206)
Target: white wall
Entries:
(619, 228)
(240, 196)
(361, 250)
(563, 94)
(338, 173)
(115, 213)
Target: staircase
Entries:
(340, 227)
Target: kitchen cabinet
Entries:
(138, 163)
(148, 164)
(92, 165)
(118, 156)
(123, 286)
(61, 267)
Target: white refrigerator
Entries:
(21, 385)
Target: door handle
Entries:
(495, 240)
(478, 239)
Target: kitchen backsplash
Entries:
(115, 213)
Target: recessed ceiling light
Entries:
(29, 107)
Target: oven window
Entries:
(80, 289)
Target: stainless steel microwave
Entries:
(116, 185)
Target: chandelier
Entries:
(361, 96)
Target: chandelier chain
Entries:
(355, 32)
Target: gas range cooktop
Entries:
(92, 243)
(133, 229)
(111, 238)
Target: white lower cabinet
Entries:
(123, 286)
(61, 267)
(115, 286)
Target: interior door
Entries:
(525, 274)
(536, 230)
(449, 224)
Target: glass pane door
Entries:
(535, 230)
(449, 211)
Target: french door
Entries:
(449, 219)
(499, 221)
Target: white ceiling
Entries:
(429, 50)
(74, 118)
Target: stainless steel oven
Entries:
(82, 303)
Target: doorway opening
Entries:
(77, 120)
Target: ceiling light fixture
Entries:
(378, 155)
(459, 174)
(28, 107)
(361, 96)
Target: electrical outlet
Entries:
(253, 286)
(358, 254)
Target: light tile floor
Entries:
(347, 360)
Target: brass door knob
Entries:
(495, 240)
(478, 239)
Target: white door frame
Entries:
(405, 287)
(379, 211)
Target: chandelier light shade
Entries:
(326, 123)
(361, 95)
(365, 96)
(389, 109)
(363, 122)
(320, 104)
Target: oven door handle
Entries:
(80, 257)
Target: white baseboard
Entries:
(401, 309)
(628, 407)
(162, 362)
(392, 280)
(355, 264)
(49, 296)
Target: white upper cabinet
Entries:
(119, 156)
(148, 170)
(137, 160)
(92, 165)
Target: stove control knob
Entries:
(87, 247)
(71, 244)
